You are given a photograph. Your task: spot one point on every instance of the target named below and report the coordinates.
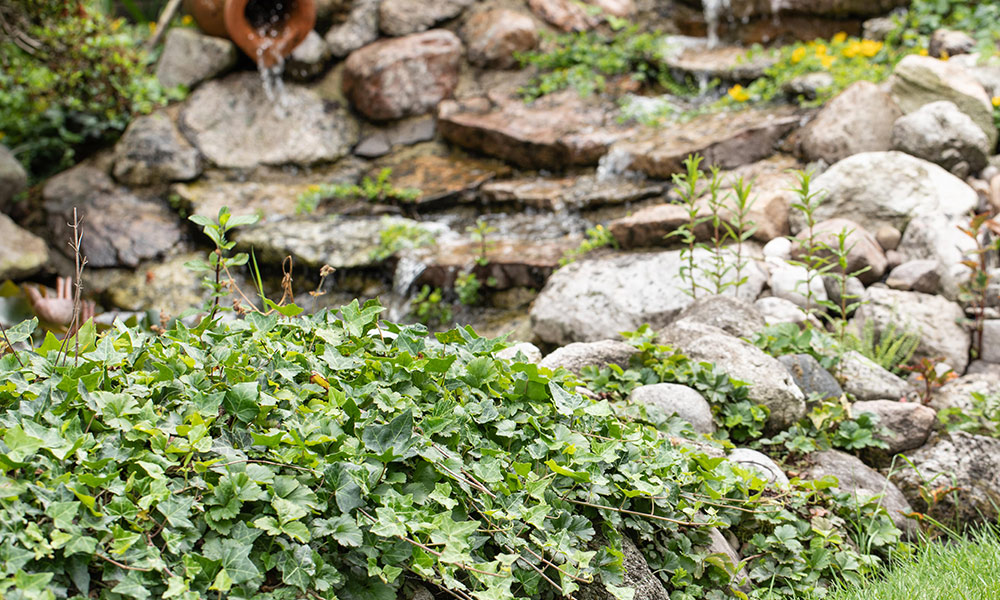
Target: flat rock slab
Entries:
(22, 253)
(270, 199)
(727, 140)
(118, 227)
(555, 194)
(591, 299)
(557, 131)
(166, 286)
(441, 178)
(694, 56)
(235, 124)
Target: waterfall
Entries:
(714, 9)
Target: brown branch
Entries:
(9, 345)
(161, 24)
(640, 514)
(122, 565)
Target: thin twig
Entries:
(11, 346)
(122, 565)
(640, 514)
(161, 25)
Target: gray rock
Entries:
(309, 59)
(811, 377)
(916, 276)
(946, 43)
(936, 319)
(735, 316)
(836, 289)
(637, 576)
(590, 299)
(937, 237)
(944, 135)
(530, 351)
(761, 463)
(190, 57)
(405, 76)
(957, 393)
(779, 247)
(720, 545)
(778, 310)
(865, 380)
(403, 17)
(360, 29)
(907, 426)
(808, 86)
(769, 382)
(920, 80)
(858, 479)
(788, 281)
(22, 253)
(981, 367)
(991, 341)
(969, 463)
(152, 151)
(878, 28)
(341, 242)
(888, 237)
(858, 120)
(574, 357)
(13, 178)
(665, 399)
(235, 125)
(887, 188)
(119, 228)
(165, 286)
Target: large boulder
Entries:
(665, 399)
(235, 124)
(920, 80)
(934, 318)
(916, 276)
(858, 120)
(13, 178)
(879, 188)
(22, 253)
(856, 478)
(637, 576)
(574, 357)
(403, 17)
(944, 135)
(791, 282)
(966, 465)
(190, 57)
(118, 227)
(769, 383)
(735, 316)
(937, 237)
(153, 151)
(591, 299)
(493, 37)
(396, 78)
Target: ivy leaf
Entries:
(341, 528)
(347, 493)
(176, 510)
(132, 586)
(297, 567)
(241, 401)
(620, 593)
(390, 442)
(22, 446)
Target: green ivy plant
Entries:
(379, 189)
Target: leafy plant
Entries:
(828, 425)
(812, 258)
(598, 236)
(219, 261)
(379, 189)
(788, 338)
(927, 370)
(687, 187)
(974, 291)
(891, 349)
(467, 287)
(981, 418)
(480, 233)
(428, 307)
(395, 236)
(71, 79)
(838, 255)
(585, 60)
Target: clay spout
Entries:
(268, 30)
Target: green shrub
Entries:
(71, 79)
(333, 456)
(379, 189)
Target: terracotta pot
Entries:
(266, 38)
(269, 42)
(208, 14)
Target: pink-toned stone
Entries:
(858, 120)
(492, 37)
(404, 76)
(572, 15)
(864, 249)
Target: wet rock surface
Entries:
(190, 57)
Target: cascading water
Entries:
(714, 10)
(613, 165)
(267, 19)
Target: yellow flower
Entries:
(827, 61)
(840, 38)
(798, 55)
(944, 55)
(186, 20)
(738, 94)
(116, 24)
(923, 52)
(821, 50)
(152, 27)
(995, 100)
(851, 50)
(870, 48)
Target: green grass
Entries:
(961, 568)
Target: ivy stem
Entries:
(122, 565)
(641, 514)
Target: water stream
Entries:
(714, 10)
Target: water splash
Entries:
(408, 269)
(613, 165)
(714, 10)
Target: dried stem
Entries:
(80, 262)
(9, 345)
